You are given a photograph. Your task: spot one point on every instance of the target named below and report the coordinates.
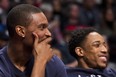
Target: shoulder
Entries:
(2, 55)
(3, 63)
(55, 60)
(110, 71)
(4, 73)
(1, 50)
(55, 67)
(56, 63)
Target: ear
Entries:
(20, 30)
(79, 51)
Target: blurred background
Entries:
(64, 16)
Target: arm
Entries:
(38, 68)
(42, 54)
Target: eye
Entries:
(105, 44)
(42, 27)
(96, 45)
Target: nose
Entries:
(104, 49)
(48, 33)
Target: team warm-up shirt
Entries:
(80, 72)
(54, 68)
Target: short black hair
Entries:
(20, 15)
(77, 38)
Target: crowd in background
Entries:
(65, 16)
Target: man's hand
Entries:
(42, 49)
(42, 52)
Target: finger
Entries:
(47, 40)
(36, 39)
(48, 45)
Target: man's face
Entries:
(39, 25)
(95, 51)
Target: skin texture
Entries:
(94, 53)
(31, 40)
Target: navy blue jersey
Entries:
(54, 68)
(80, 72)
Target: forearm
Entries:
(39, 68)
(42, 52)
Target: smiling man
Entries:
(29, 53)
(91, 51)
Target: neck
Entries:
(19, 54)
(82, 64)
